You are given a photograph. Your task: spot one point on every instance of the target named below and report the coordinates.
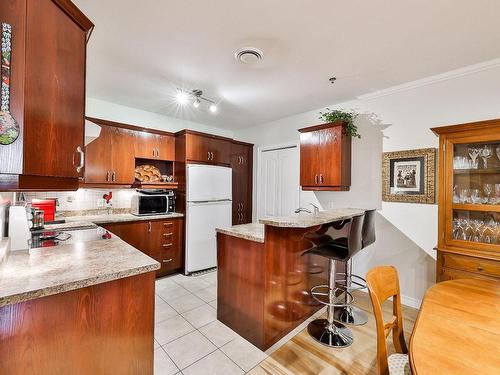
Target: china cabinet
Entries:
(469, 201)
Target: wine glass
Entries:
(474, 196)
(498, 152)
(488, 189)
(486, 153)
(474, 153)
(497, 193)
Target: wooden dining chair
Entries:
(383, 283)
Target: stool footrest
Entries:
(347, 297)
(352, 279)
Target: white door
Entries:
(201, 244)
(279, 182)
(208, 183)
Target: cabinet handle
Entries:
(167, 224)
(316, 179)
(149, 227)
(113, 178)
(212, 155)
(168, 234)
(108, 176)
(158, 152)
(208, 155)
(167, 260)
(167, 244)
(321, 178)
(82, 159)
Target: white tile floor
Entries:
(189, 339)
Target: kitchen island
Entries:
(263, 277)
(86, 307)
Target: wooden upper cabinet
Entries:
(207, 148)
(110, 157)
(154, 146)
(47, 92)
(325, 158)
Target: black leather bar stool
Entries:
(351, 314)
(328, 331)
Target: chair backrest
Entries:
(383, 283)
(368, 233)
(354, 238)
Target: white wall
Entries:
(406, 233)
(115, 112)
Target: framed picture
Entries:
(409, 176)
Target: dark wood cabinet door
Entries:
(309, 158)
(220, 150)
(197, 148)
(330, 156)
(54, 91)
(122, 156)
(98, 163)
(166, 147)
(145, 145)
(241, 164)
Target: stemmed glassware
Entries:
(476, 230)
(474, 152)
(488, 189)
(498, 152)
(486, 153)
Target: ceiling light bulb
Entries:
(196, 103)
(181, 97)
(212, 108)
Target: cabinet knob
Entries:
(479, 268)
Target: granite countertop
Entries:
(305, 220)
(252, 232)
(117, 218)
(40, 272)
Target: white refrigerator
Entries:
(209, 206)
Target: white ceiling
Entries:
(141, 51)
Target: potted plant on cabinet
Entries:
(349, 128)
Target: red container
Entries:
(48, 206)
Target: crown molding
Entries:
(456, 73)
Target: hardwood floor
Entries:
(303, 355)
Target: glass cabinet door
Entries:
(475, 194)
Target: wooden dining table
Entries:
(458, 329)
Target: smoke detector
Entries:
(249, 55)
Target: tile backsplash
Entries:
(86, 199)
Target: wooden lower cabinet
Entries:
(101, 329)
(452, 266)
(161, 239)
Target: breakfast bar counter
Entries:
(263, 277)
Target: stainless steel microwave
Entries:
(153, 202)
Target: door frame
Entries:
(260, 150)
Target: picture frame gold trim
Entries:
(429, 196)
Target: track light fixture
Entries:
(197, 97)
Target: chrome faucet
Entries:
(301, 209)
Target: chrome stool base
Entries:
(338, 337)
(351, 315)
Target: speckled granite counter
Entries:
(305, 220)
(251, 232)
(118, 218)
(29, 274)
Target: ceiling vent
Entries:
(249, 55)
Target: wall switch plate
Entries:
(70, 198)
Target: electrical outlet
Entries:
(100, 203)
(70, 198)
